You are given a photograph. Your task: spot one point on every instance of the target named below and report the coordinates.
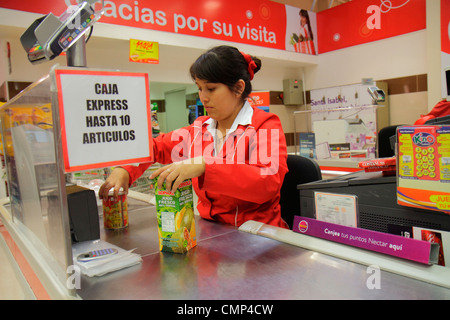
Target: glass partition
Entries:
(38, 203)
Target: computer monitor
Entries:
(378, 209)
(447, 79)
(447, 83)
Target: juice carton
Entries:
(175, 213)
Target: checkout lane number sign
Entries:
(105, 118)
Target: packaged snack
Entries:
(115, 211)
(380, 164)
(175, 213)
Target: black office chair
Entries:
(301, 170)
(386, 141)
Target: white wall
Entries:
(396, 57)
(384, 59)
(4, 72)
(22, 70)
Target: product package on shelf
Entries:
(176, 222)
(424, 167)
(386, 165)
(442, 238)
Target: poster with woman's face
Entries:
(301, 30)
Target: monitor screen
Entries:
(447, 78)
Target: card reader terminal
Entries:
(72, 29)
(96, 254)
(49, 36)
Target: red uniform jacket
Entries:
(243, 181)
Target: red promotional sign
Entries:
(230, 20)
(259, 98)
(363, 21)
(445, 26)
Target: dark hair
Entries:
(224, 64)
(304, 13)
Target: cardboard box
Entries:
(176, 222)
(442, 238)
(423, 155)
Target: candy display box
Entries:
(423, 155)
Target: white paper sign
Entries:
(105, 118)
(336, 208)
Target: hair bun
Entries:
(253, 67)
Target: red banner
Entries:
(228, 20)
(257, 22)
(445, 26)
(364, 21)
(260, 22)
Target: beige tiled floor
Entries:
(10, 282)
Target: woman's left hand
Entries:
(175, 173)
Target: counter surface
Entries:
(235, 265)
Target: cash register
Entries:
(376, 196)
(377, 202)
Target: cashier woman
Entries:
(235, 156)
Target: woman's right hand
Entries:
(119, 178)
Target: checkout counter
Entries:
(232, 264)
(237, 264)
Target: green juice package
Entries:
(175, 213)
